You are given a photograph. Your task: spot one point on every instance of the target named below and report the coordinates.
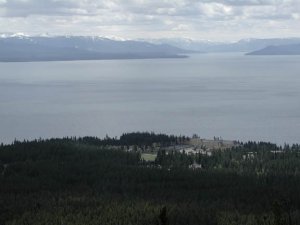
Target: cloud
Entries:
(23, 8)
(196, 18)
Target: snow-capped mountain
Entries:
(20, 47)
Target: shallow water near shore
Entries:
(229, 95)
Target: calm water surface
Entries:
(229, 95)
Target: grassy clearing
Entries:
(148, 157)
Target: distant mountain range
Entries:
(20, 48)
(244, 45)
(293, 49)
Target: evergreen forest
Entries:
(93, 181)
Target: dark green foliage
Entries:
(173, 159)
(79, 181)
(163, 220)
(146, 138)
(136, 138)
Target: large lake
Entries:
(229, 95)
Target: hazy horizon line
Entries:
(120, 38)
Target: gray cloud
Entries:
(157, 18)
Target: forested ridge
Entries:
(84, 181)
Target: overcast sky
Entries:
(197, 19)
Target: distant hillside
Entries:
(23, 48)
(244, 45)
(278, 50)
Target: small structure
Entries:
(195, 166)
(249, 155)
(189, 151)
